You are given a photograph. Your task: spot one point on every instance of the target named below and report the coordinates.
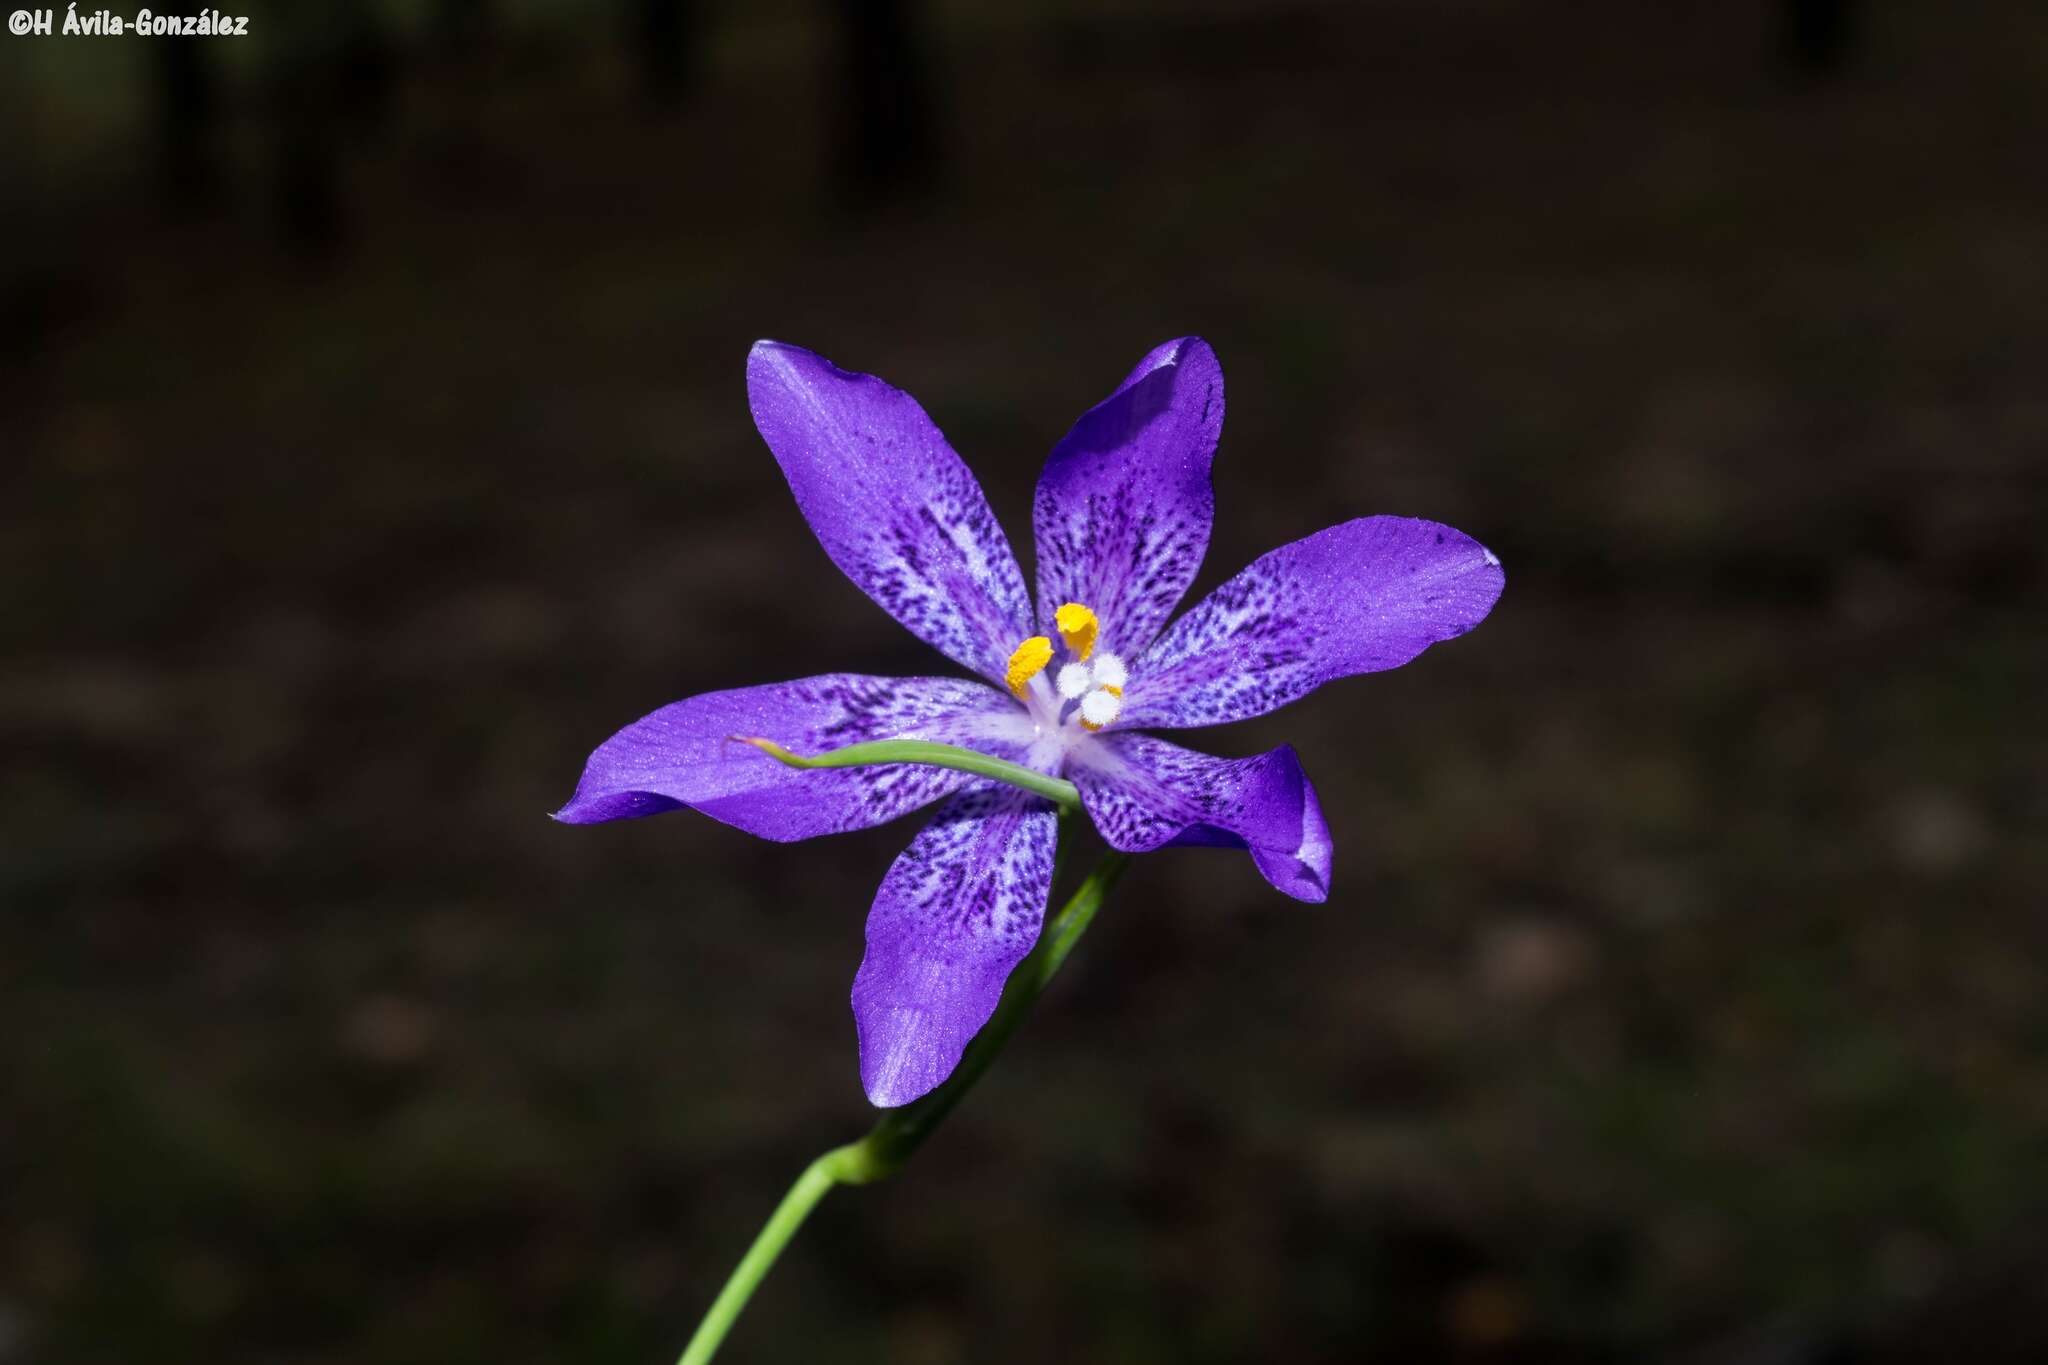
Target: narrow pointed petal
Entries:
(1124, 506)
(891, 503)
(1144, 793)
(955, 914)
(683, 754)
(1366, 595)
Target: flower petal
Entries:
(1144, 793)
(957, 911)
(683, 754)
(891, 503)
(1366, 595)
(1124, 506)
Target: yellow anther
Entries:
(1028, 662)
(1077, 627)
(1113, 691)
(1090, 726)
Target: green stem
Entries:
(789, 1215)
(899, 1132)
(1056, 789)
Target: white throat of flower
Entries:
(1092, 682)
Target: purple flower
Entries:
(1121, 520)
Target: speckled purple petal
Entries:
(1366, 595)
(682, 754)
(958, 910)
(1124, 506)
(1144, 793)
(891, 503)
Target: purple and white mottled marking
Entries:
(958, 909)
(1144, 793)
(685, 754)
(893, 506)
(1124, 506)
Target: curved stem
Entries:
(813, 1185)
(899, 1132)
(1055, 789)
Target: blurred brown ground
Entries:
(1682, 992)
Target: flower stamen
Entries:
(1027, 662)
(1077, 626)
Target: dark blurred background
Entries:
(375, 443)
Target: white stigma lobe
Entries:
(1100, 707)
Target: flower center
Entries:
(1093, 682)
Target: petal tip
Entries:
(894, 1070)
(1182, 353)
(767, 348)
(890, 1093)
(783, 362)
(602, 807)
(1299, 874)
